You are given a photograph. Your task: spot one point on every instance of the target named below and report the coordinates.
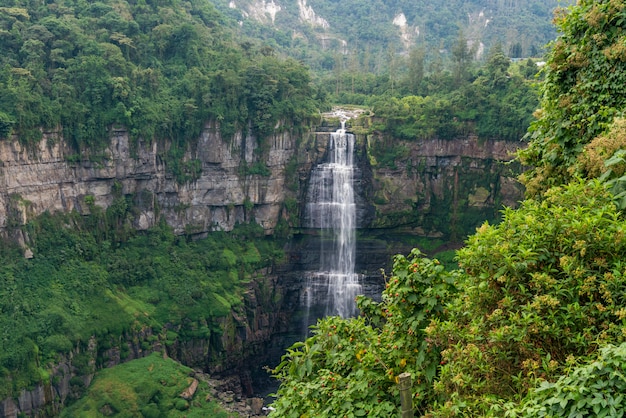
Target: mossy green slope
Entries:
(146, 387)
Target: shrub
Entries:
(596, 389)
(547, 283)
(349, 366)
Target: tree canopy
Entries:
(161, 69)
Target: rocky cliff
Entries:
(441, 188)
(52, 177)
(432, 188)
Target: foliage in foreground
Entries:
(597, 389)
(537, 293)
(545, 286)
(146, 387)
(348, 368)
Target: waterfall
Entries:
(331, 209)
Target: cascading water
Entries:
(331, 209)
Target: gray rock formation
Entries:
(442, 188)
(51, 177)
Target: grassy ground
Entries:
(147, 387)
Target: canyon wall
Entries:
(52, 177)
(432, 188)
(442, 188)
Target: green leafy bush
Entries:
(597, 389)
(584, 90)
(545, 285)
(349, 366)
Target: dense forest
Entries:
(95, 277)
(162, 69)
(368, 34)
(531, 325)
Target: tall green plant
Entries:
(596, 389)
(545, 285)
(584, 90)
(349, 366)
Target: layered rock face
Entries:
(432, 185)
(443, 188)
(436, 189)
(53, 178)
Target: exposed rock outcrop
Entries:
(443, 188)
(51, 177)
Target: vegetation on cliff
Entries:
(584, 93)
(90, 279)
(150, 387)
(485, 105)
(532, 323)
(492, 101)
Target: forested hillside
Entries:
(161, 69)
(329, 35)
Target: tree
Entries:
(461, 56)
(515, 50)
(416, 70)
(6, 124)
(584, 90)
(498, 66)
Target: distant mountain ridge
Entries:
(376, 27)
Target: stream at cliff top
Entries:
(332, 211)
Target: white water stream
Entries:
(332, 210)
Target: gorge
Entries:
(436, 181)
